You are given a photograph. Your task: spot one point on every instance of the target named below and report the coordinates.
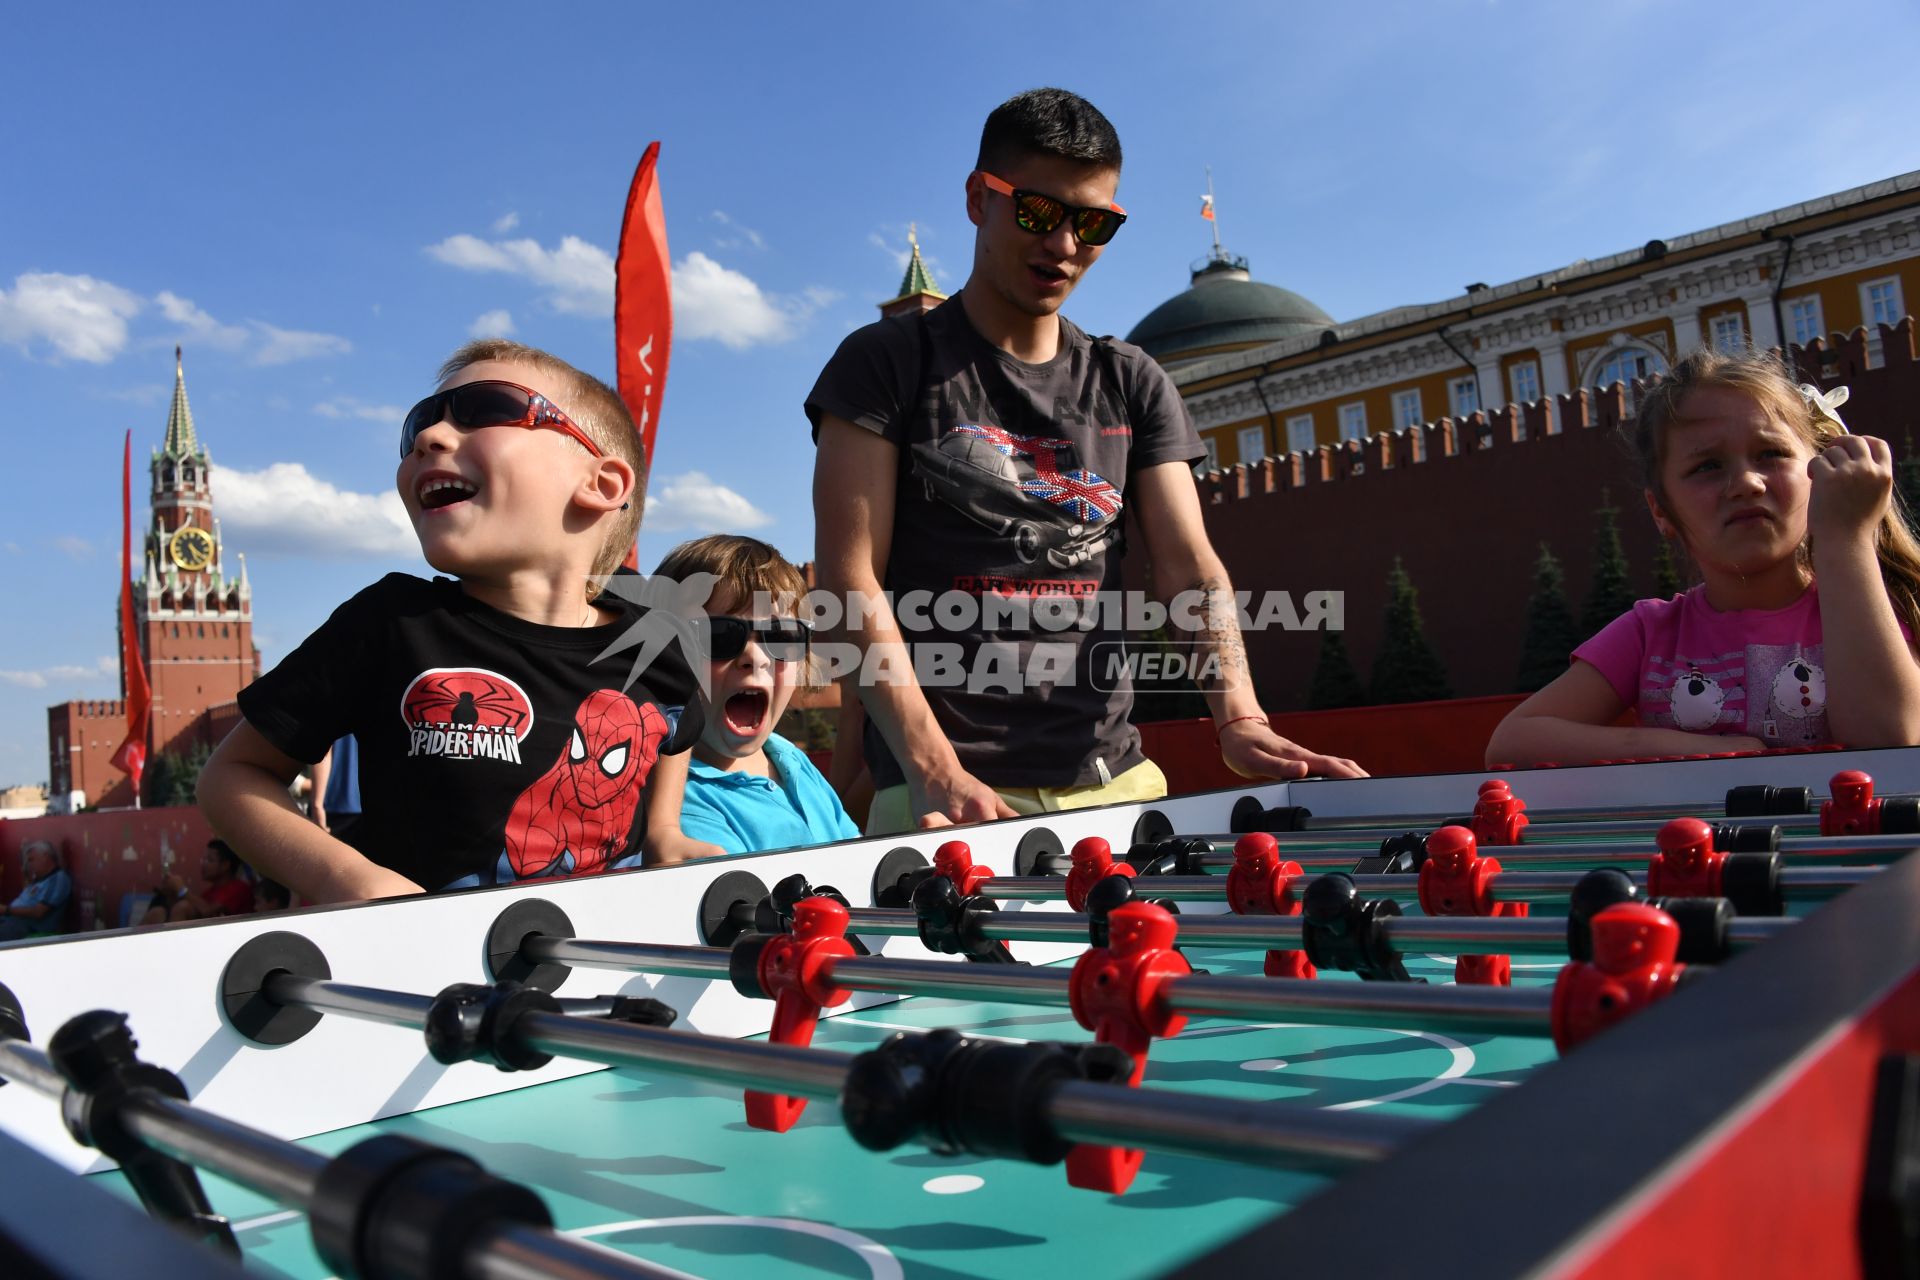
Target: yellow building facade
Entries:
(1265, 372)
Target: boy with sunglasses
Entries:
(748, 788)
(493, 745)
(987, 448)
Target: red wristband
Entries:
(1221, 727)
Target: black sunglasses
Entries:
(782, 639)
(490, 404)
(1039, 213)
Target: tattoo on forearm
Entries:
(1219, 634)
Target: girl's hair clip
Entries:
(1826, 404)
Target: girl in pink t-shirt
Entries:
(1762, 485)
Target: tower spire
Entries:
(918, 292)
(180, 437)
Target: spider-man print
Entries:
(466, 713)
(577, 817)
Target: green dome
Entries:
(1225, 307)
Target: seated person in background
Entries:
(41, 908)
(334, 805)
(227, 893)
(494, 746)
(748, 788)
(271, 895)
(1801, 631)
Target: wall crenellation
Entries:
(1884, 399)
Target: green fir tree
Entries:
(1550, 638)
(1335, 683)
(1407, 670)
(1610, 595)
(1667, 582)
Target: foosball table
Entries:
(1637, 1019)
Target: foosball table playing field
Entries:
(1641, 1019)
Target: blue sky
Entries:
(320, 202)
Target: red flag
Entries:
(131, 758)
(643, 309)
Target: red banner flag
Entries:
(131, 758)
(643, 308)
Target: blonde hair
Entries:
(1764, 378)
(746, 568)
(599, 412)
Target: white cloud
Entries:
(284, 346)
(348, 407)
(497, 323)
(709, 300)
(79, 317)
(40, 679)
(693, 501)
(577, 276)
(77, 548)
(14, 548)
(712, 301)
(270, 344)
(198, 329)
(738, 236)
(505, 223)
(284, 510)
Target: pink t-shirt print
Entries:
(1684, 665)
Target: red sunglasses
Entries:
(1040, 213)
(490, 404)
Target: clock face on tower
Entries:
(191, 548)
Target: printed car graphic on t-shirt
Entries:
(1031, 489)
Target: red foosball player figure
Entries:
(1456, 881)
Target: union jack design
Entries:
(1082, 494)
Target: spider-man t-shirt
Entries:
(491, 748)
(1007, 533)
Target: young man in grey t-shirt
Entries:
(974, 462)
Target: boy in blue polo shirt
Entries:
(748, 788)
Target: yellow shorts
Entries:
(891, 814)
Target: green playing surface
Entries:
(666, 1169)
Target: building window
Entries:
(1353, 421)
(1523, 381)
(1624, 364)
(1804, 320)
(1406, 409)
(1253, 444)
(1463, 395)
(1212, 461)
(1300, 434)
(1729, 332)
(1880, 302)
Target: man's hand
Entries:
(1253, 750)
(172, 884)
(318, 813)
(946, 799)
(669, 847)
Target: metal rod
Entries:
(1549, 828)
(1862, 849)
(1251, 1132)
(1053, 888)
(25, 1065)
(1009, 983)
(369, 1004)
(667, 961)
(258, 1161)
(1519, 1011)
(273, 1167)
(745, 1064)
